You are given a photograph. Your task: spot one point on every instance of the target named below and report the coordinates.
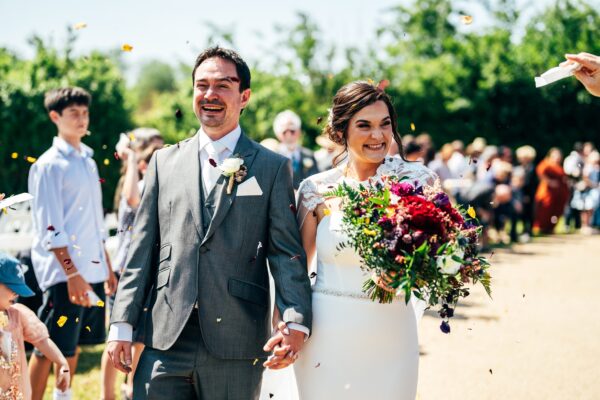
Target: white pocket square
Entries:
(249, 187)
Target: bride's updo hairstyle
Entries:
(350, 99)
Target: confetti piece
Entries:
(104, 147)
(293, 208)
(100, 303)
(76, 320)
(491, 373)
(296, 257)
(319, 120)
(96, 262)
(488, 166)
(412, 126)
(383, 84)
(178, 114)
(471, 212)
(67, 261)
(106, 161)
(127, 47)
(14, 155)
(523, 295)
(79, 26)
(212, 162)
(30, 159)
(317, 365)
(88, 328)
(132, 137)
(102, 180)
(326, 211)
(312, 274)
(219, 320)
(255, 361)
(371, 81)
(116, 155)
(466, 19)
(51, 228)
(62, 320)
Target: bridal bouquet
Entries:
(415, 241)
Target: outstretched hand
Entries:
(286, 345)
(589, 74)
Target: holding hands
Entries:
(286, 345)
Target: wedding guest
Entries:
(552, 193)
(589, 75)
(440, 164)
(68, 254)
(135, 157)
(413, 151)
(326, 153)
(18, 324)
(587, 196)
(458, 162)
(573, 166)
(288, 129)
(426, 142)
(528, 185)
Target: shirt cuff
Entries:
(300, 328)
(122, 331)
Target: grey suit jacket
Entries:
(175, 262)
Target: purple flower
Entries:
(403, 189)
(441, 200)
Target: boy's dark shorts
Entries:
(83, 325)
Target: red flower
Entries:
(424, 216)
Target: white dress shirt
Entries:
(124, 331)
(67, 212)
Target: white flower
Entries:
(447, 265)
(308, 163)
(231, 165)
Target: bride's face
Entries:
(370, 134)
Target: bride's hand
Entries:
(286, 345)
(384, 280)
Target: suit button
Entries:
(203, 249)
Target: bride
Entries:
(358, 348)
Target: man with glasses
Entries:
(287, 127)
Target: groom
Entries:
(200, 250)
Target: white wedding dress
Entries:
(358, 349)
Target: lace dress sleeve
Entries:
(308, 199)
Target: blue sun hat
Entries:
(11, 275)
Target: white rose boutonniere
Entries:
(235, 169)
(308, 163)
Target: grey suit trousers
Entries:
(193, 373)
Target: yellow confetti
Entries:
(106, 161)
(30, 159)
(326, 211)
(80, 25)
(5, 211)
(100, 303)
(132, 137)
(88, 328)
(127, 47)
(14, 155)
(412, 126)
(62, 320)
(371, 81)
(255, 361)
(466, 19)
(471, 212)
(76, 320)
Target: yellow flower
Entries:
(62, 320)
(369, 232)
(471, 212)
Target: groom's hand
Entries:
(286, 345)
(119, 352)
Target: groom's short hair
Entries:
(226, 54)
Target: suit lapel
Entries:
(223, 201)
(189, 165)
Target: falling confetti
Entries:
(96, 262)
(178, 114)
(523, 295)
(62, 320)
(319, 120)
(30, 159)
(255, 361)
(106, 161)
(466, 19)
(296, 257)
(100, 303)
(132, 137)
(76, 320)
(371, 81)
(293, 208)
(102, 180)
(212, 162)
(14, 155)
(51, 228)
(79, 26)
(412, 126)
(471, 212)
(88, 328)
(491, 373)
(445, 327)
(127, 47)
(312, 274)
(326, 211)
(219, 320)
(317, 365)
